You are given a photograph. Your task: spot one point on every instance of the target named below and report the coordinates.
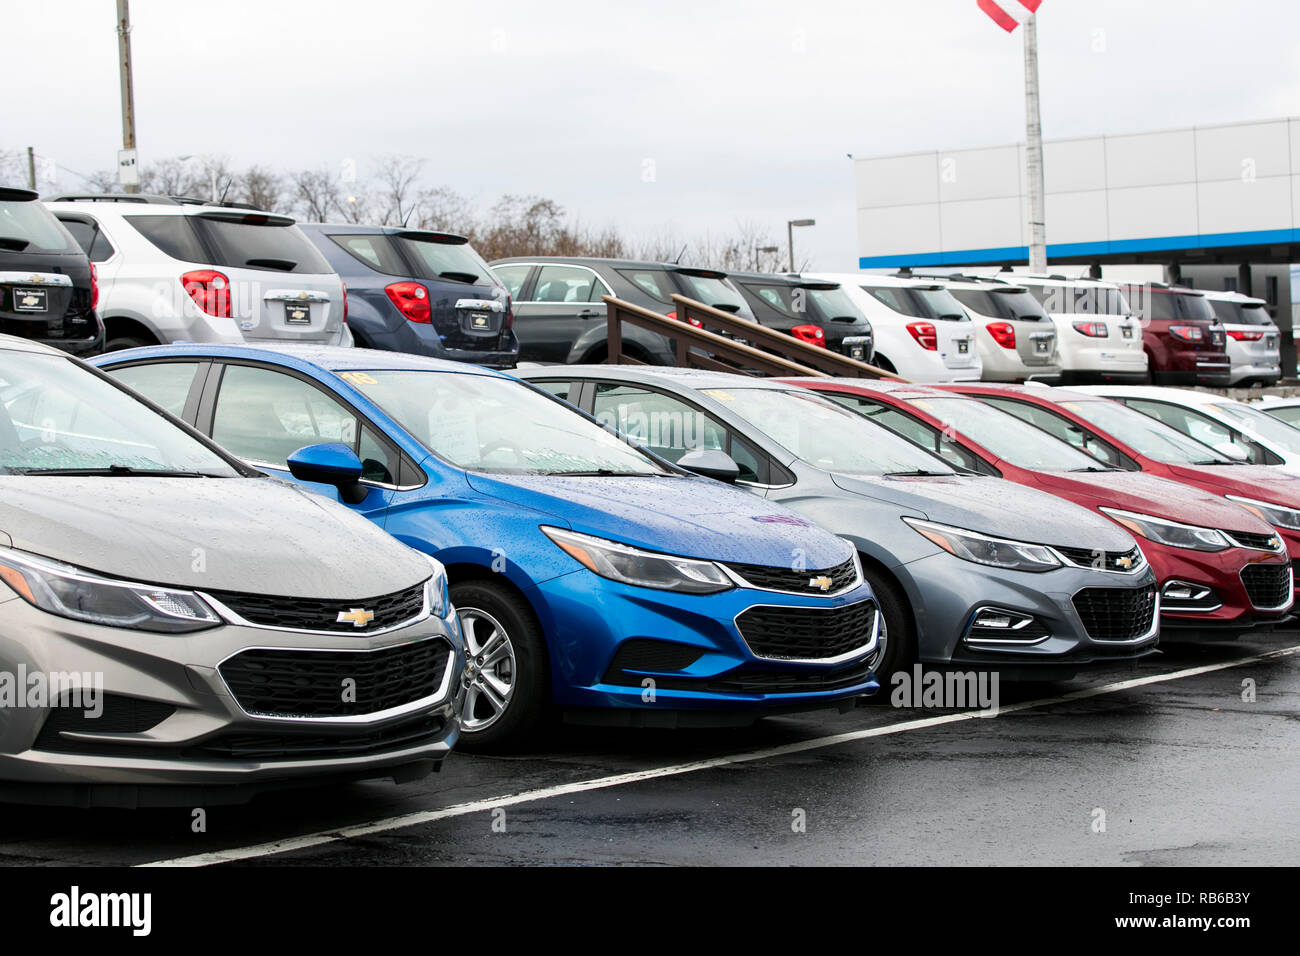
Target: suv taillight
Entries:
(1241, 335)
(510, 312)
(694, 322)
(412, 300)
(1096, 330)
(810, 334)
(345, 301)
(1004, 333)
(210, 291)
(1188, 333)
(94, 287)
(925, 334)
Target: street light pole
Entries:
(128, 90)
(789, 235)
(1034, 151)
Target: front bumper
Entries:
(204, 738)
(947, 592)
(1228, 605)
(690, 648)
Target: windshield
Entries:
(1017, 304)
(711, 291)
(1008, 437)
(498, 425)
(30, 227)
(918, 302)
(826, 435)
(56, 416)
(1257, 424)
(1148, 436)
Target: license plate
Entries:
(1043, 345)
(1126, 331)
(31, 300)
(857, 352)
(963, 346)
(297, 313)
(1270, 342)
(480, 320)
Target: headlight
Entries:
(1276, 515)
(439, 594)
(647, 569)
(982, 549)
(1170, 533)
(85, 596)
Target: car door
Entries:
(263, 414)
(560, 304)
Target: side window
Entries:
(558, 389)
(378, 461)
(1067, 431)
(650, 282)
(373, 250)
(82, 231)
(918, 432)
(1195, 425)
(564, 284)
(173, 235)
(265, 416)
(668, 427)
(752, 463)
(101, 250)
(890, 297)
(164, 383)
(512, 277)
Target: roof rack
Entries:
(116, 197)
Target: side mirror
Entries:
(1232, 450)
(332, 463)
(711, 463)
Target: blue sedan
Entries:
(590, 576)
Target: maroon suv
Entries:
(1183, 338)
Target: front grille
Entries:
(769, 578)
(807, 633)
(1267, 585)
(120, 715)
(1116, 614)
(1103, 560)
(312, 614)
(1260, 542)
(289, 746)
(310, 683)
(756, 682)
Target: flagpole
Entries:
(1034, 151)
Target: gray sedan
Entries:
(969, 570)
(178, 627)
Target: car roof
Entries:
(1234, 297)
(611, 263)
(14, 343)
(1047, 392)
(1181, 396)
(869, 278)
(329, 358)
(692, 378)
(359, 229)
(905, 391)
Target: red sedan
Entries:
(1222, 570)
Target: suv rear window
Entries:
(450, 259)
(919, 303)
(711, 291)
(30, 227)
(235, 244)
(1080, 300)
(1234, 313)
(1017, 305)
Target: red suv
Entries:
(1185, 342)
(1222, 570)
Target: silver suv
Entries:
(175, 269)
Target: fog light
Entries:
(1187, 596)
(995, 625)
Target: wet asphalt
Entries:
(1182, 772)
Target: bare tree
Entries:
(263, 188)
(444, 210)
(315, 193)
(396, 177)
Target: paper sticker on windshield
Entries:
(453, 432)
(357, 378)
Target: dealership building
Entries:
(1213, 207)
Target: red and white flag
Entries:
(1009, 14)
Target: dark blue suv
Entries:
(426, 293)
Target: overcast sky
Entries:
(668, 116)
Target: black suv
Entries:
(47, 285)
(427, 293)
(811, 310)
(560, 317)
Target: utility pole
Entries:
(128, 91)
(1034, 151)
(31, 168)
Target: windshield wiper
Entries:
(1093, 468)
(604, 473)
(919, 473)
(1218, 461)
(116, 471)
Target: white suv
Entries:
(176, 269)
(919, 331)
(1253, 339)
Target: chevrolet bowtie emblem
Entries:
(822, 583)
(357, 616)
(1124, 561)
(36, 279)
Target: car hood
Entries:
(1152, 495)
(692, 517)
(256, 535)
(995, 507)
(1261, 482)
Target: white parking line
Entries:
(617, 780)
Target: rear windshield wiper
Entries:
(460, 276)
(115, 471)
(284, 265)
(13, 244)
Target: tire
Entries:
(486, 609)
(120, 342)
(880, 362)
(898, 633)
